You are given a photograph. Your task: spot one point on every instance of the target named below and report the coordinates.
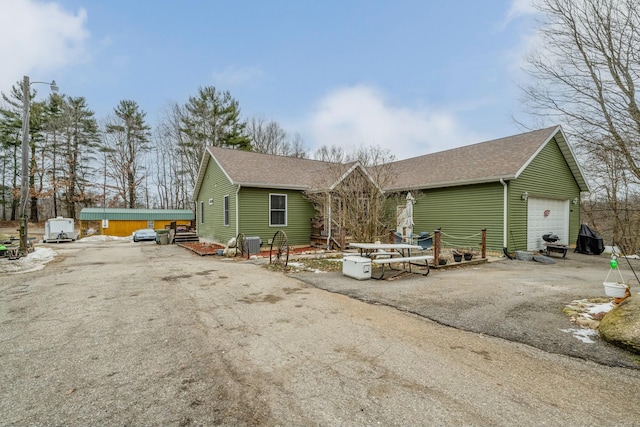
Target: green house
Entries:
(517, 188)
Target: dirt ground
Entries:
(122, 333)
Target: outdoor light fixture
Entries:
(24, 186)
(575, 200)
(525, 196)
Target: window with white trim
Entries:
(277, 210)
(226, 210)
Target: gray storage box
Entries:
(356, 267)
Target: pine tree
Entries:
(126, 140)
(80, 138)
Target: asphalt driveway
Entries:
(118, 333)
(520, 301)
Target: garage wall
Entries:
(547, 177)
(462, 212)
(546, 216)
(124, 228)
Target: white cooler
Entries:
(356, 267)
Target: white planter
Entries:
(615, 290)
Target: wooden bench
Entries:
(380, 254)
(554, 247)
(410, 260)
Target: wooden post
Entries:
(343, 238)
(436, 247)
(484, 243)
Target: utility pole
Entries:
(24, 182)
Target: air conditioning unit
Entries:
(251, 244)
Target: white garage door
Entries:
(546, 216)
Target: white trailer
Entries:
(59, 230)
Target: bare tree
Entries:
(355, 202)
(585, 72)
(176, 163)
(613, 206)
(367, 155)
(271, 138)
(333, 154)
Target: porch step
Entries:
(186, 236)
(318, 241)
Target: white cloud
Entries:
(518, 9)
(360, 115)
(37, 38)
(528, 40)
(233, 76)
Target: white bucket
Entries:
(615, 290)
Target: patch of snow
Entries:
(582, 334)
(35, 261)
(601, 308)
(103, 238)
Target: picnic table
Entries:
(383, 254)
(370, 249)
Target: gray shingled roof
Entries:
(483, 162)
(266, 170)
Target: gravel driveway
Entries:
(120, 333)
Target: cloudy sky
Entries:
(414, 76)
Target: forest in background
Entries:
(78, 160)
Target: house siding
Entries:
(215, 185)
(547, 176)
(462, 212)
(254, 215)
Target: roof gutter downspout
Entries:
(504, 214)
(237, 210)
